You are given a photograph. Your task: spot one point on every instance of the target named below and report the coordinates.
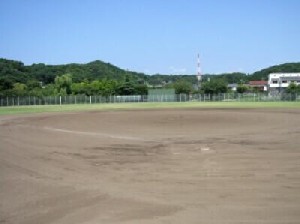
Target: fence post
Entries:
(59, 100)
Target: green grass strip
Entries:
(159, 105)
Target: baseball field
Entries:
(150, 163)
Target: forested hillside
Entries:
(287, 67)
(98, 77)
(18, 72)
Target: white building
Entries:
(279, 81)
(233, 86)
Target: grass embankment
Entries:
(117, 106)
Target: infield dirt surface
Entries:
(151, 166)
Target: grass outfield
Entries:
(116, 106)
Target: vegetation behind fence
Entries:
(82, 99)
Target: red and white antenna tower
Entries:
(199, 72)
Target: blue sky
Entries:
(153, 36)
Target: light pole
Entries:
(198, 73)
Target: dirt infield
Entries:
(151, 166)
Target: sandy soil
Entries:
(157, 166)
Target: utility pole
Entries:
(199, 78)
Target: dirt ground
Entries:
(151, 166)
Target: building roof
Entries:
(287, 74)
(258, 83)
(232, 85)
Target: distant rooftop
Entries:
(232, 85)
(258, 83)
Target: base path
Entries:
(151, 166)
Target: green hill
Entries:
(17, 72)
(263, 74)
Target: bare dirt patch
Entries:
(151, 166)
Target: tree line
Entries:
(100, 78)
(64, 85)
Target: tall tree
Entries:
(241, 88)
(63, 84)
(126, 88)
(182, 86)
(214, 86)
(293, 88)
(19, 89)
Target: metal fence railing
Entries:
(82, 99)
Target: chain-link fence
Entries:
(82, 99)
